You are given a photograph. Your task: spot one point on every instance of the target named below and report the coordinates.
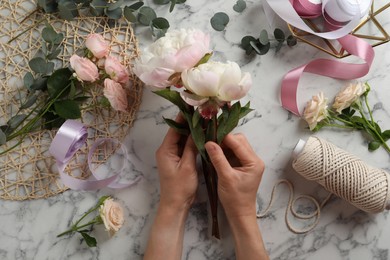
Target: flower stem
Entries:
(26, 30)
(75, 228)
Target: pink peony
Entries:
(97, 45)
(115, 94)
(177, 51)
(85, 69)
(116, 70)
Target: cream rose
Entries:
(176, 51)
(316, 110)
(348, 96)
(111, 213)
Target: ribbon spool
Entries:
(343, 174)
(71, 136)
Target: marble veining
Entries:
(28, 229)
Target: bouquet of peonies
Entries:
(178, 65)
(110, 214)
(350, 110)
(55, 95)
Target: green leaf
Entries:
(48, 34)
(39, 84)
(146, 15)
(67, 9)
(102, 199)
(219, 21)
(3, 137)
(180, 128)
(52, 120)
(291, 41)
(386, 135)
(279, 35)
(245, 110)
(49, 6)
(67, 109)
(263, 39)
(15, 121)
(199, 139)
(204, 59)
(196, 118)
(59, 80)
(357, 120)
(54, 54)
(278, 46)
(97, 7)
(239, 6)
(172, 6)
(129, 15)
(245, 42)
(211, 131)
(49, 67)
(174, 97)
(114, 14)
(160, 23)
(136, 6)
(259, 48)
(377, 127)
(231, 121)
(28, 80)
(372, 146)
(161, 2)
(29, 102)
(116, 5)
(72, 91)
(91, 241)
(38, 65)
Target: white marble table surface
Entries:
(28, 229)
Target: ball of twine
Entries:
(344, 175)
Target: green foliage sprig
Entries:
(53, 95)
(136, 13)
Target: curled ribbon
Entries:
(349, 13)
(71, 136)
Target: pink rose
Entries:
(116, 70)
(177, 51)
(115, 94)
(97, 45)
(85, 69)
(111, 214)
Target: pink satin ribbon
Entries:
(71, 136)
(325, 67)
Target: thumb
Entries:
(218, 158)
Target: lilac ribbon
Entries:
(325, 67)
(71, 136)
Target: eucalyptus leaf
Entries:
(49, 6)
(239, 6)
(54, 54)
(161, 2)
(160, 23)
(67, 109)
(39, 83)
(136, 6)
(374, 145)
(97, 7)
(180, 128)
(279, 35)
(114, 14)
(146, 15)
(49, 67)
(263, 39)
(172, 6)
(15, 121)
(259, 48)
(59, 38)
(28, 80)
(291, 41)
(3, 137)
(38, 65)
(278, 47)
(129, 15)
(67, 9)
(115, 5)
(29, 102)
(219, 21)
(91, 241)
(59, 80)
(245, 42)
(48, 34)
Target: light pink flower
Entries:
(115, 94)
(111, 214)
(116, 70)
(215, 80)
(176, 51)
(97, 45)
(316, 110)
(348, 96)
(85, 69)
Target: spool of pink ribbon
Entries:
(341, 17)
(71, 136)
